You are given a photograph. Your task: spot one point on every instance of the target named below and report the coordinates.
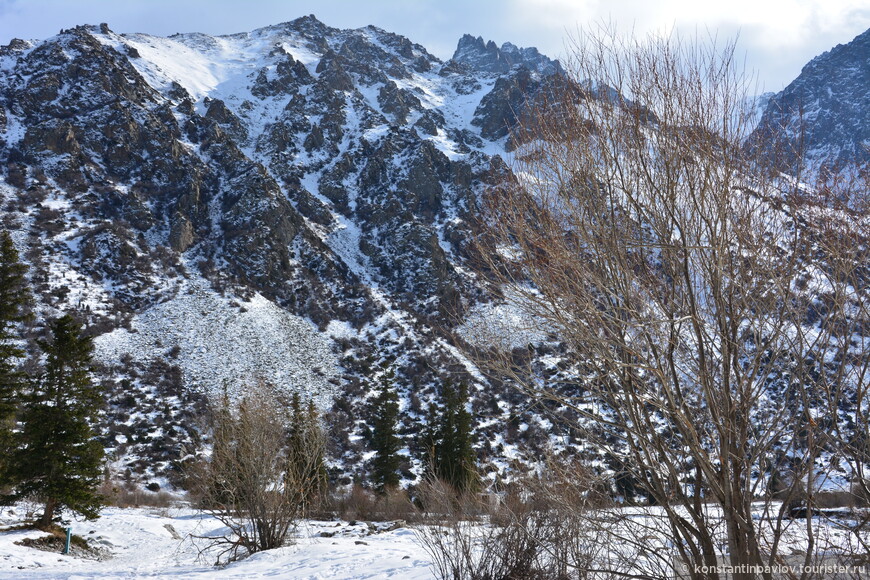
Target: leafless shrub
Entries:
(464, 545)
(265, 471)
(359, 503)
(125, 497)
(541, 529)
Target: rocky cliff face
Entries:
(821, 121)
(297, 205)
(166, 187)
(486, 57)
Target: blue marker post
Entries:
(68, 538)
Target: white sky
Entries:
(777, 36)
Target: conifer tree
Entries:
(447, 439)
(296, 441)
(385, 441)
(57, 458)
(429, 439)
(457, 461)
(306, 466)
(223, 470)
(320, 477)
(15, 308)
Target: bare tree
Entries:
(838, 341)
(673, 266)
(261, 475)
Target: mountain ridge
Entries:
(819, 125)
(331, 172)
(332, 175)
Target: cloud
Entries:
(779, 36)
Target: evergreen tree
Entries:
(296, 441)
(15, 305)
(320, 477)
(430, 438)
(457, 460)
(384, 413)
(223, 472)
(306, 465)
(57, 458)
(448, 439)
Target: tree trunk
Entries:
(48, 514)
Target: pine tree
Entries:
(430, 438)
(223, 471)
(385, 442)
(447, 439)
(457, 460)
(320, 477)
(15, 308)
(306, 467)
(57, 457)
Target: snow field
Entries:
(143, 546)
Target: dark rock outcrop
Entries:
(821, 120)
(486, 57)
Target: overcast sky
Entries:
(777, 36)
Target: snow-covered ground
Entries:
(142, 543)
(168, 543)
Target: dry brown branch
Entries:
(669, 263)
(260, 478)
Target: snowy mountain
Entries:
(821, 120)
(486, 57)
(294, 204)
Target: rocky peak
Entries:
(335, 172)
(15, 46)
(310, 25)
(486, 57)
(821, 121)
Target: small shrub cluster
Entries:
(131, 495)
(362, 504)
(533, 529)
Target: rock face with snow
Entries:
(296, 205)
(331, 174)
(821, 121)
(486, 57)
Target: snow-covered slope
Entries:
(821, 121)
(222, 342)
(294, 204)
(297, 204)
